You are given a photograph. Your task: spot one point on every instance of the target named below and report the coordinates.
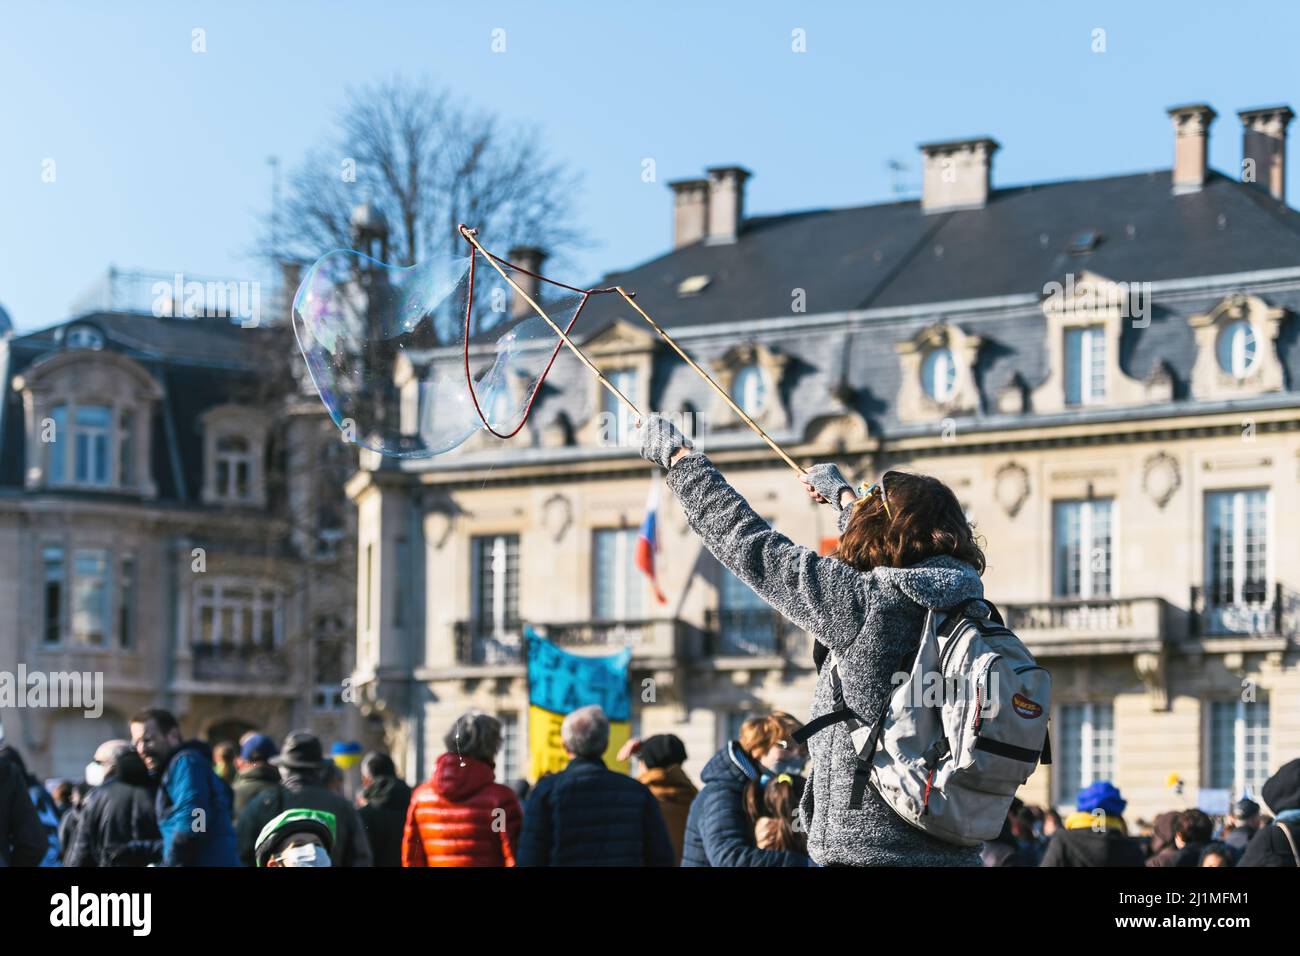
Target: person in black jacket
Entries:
(22, 838)
(1278, 844)
(383, 813)
(588, 815)
(47, 815)
(302, 764)
(116, 825)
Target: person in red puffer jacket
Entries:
(462, 816)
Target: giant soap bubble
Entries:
(393, 350)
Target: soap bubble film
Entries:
(388, 348)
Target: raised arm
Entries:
(823, 596)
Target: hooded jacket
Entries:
(450, 821)
(302, 789)
(718, 830)
(384, 817)
(870, 622)
(190, 793)
(675, 793)
(116, 825)
(1269, 846)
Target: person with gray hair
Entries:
(588, 815)
(461, 816)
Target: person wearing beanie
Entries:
(1095, 835)
(298, 837)
(255, 773)
(661, 758)
(1278, 844)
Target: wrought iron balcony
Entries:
(754, 632)
(238, 663)
(1259, 612)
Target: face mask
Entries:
(313, 854)
(94, 774)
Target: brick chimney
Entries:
(726, 202)
(957, 174)
(1191, 145)
(1263, 141)
(530, 258)
(690, 211)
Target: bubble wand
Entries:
(470, 236)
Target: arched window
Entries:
(748, 389)
(1237, 348)
(939, 374)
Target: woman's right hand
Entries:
(825, 484)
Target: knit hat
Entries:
(292, 822)
(1101, 795)
(662, 750)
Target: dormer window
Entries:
(1237, 348)
(939, 375)
(83, 337)
(88, 414)
(618, 418)
(234, 468)
(1085, 365)
(748, 390)
(233, 473)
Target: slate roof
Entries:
(899, 270)
(199, 363)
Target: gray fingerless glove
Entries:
(828, 482)
(660, 440)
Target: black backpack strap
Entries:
(957, 611)
(1046, 759)
(841, 714)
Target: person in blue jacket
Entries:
(588, 815)
(193, 804)
(720, 828)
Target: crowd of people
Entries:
(159, 799)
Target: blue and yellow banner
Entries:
(559, 683)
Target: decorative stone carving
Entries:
(1266, 374)
(1150, 668)
(771, 365)
(557, 516)
(1161, 478)
(1011, 487)
(914, 402)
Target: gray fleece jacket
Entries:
(868, 621)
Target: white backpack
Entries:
(960, 734)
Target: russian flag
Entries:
(647, 544)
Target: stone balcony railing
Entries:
(480, 643)
(1092, 625)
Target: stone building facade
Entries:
(1106, 371)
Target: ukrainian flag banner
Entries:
(559, 683)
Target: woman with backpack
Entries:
(905, 547)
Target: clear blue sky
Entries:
(161, 152)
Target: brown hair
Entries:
(781, 803)
(759, 735)
(908, 519)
